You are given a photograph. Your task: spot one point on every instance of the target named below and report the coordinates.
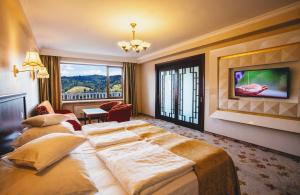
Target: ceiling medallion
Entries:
(135, 44)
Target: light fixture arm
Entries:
(16, 71)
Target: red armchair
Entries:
(109, 105)
(46, 108)
(120, 113)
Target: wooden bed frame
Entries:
(12, 112)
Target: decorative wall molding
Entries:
(262, 121)
(269, 57)
(271, 51)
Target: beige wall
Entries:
(271, 138)
(15, 39)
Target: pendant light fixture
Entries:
(135, 44)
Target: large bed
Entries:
(212, 169)
(106, 183)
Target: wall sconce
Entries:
(43, 73)
(32, 64)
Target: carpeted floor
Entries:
(260, 172)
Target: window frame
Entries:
(108, 96)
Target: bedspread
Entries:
(214, 168)
(139, 165)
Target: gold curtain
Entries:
(129, 70)
(49, 89)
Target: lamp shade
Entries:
(32, 59)
(136, 42)
(43, 73)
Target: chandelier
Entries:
(135, 44)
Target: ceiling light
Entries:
(135, 44)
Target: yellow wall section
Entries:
(15, 39)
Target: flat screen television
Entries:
(273, 83)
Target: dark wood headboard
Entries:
(12, 112)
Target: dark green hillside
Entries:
(96, 82)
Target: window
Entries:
(88, 82)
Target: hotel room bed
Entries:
(214, 168)
(107, 184)
(213, 173)
(99, 174)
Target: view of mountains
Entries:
(89, 83)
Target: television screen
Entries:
(262, 83)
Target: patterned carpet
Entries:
(260, 172)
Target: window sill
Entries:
(90, 101)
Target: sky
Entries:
(83, 69)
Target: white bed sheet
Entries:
(107, 184)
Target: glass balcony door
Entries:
(179, 92)
(188, 96)
(167, 91)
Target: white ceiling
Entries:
(94, 27)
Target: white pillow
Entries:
(46, 150)
(67, 176)
(45, 120)
(36, 132)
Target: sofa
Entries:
(46, 108)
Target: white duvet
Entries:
(139, 165)
(94, 130)
(134, 123)
(113, 138)
(107, 127)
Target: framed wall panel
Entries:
(275, 57)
